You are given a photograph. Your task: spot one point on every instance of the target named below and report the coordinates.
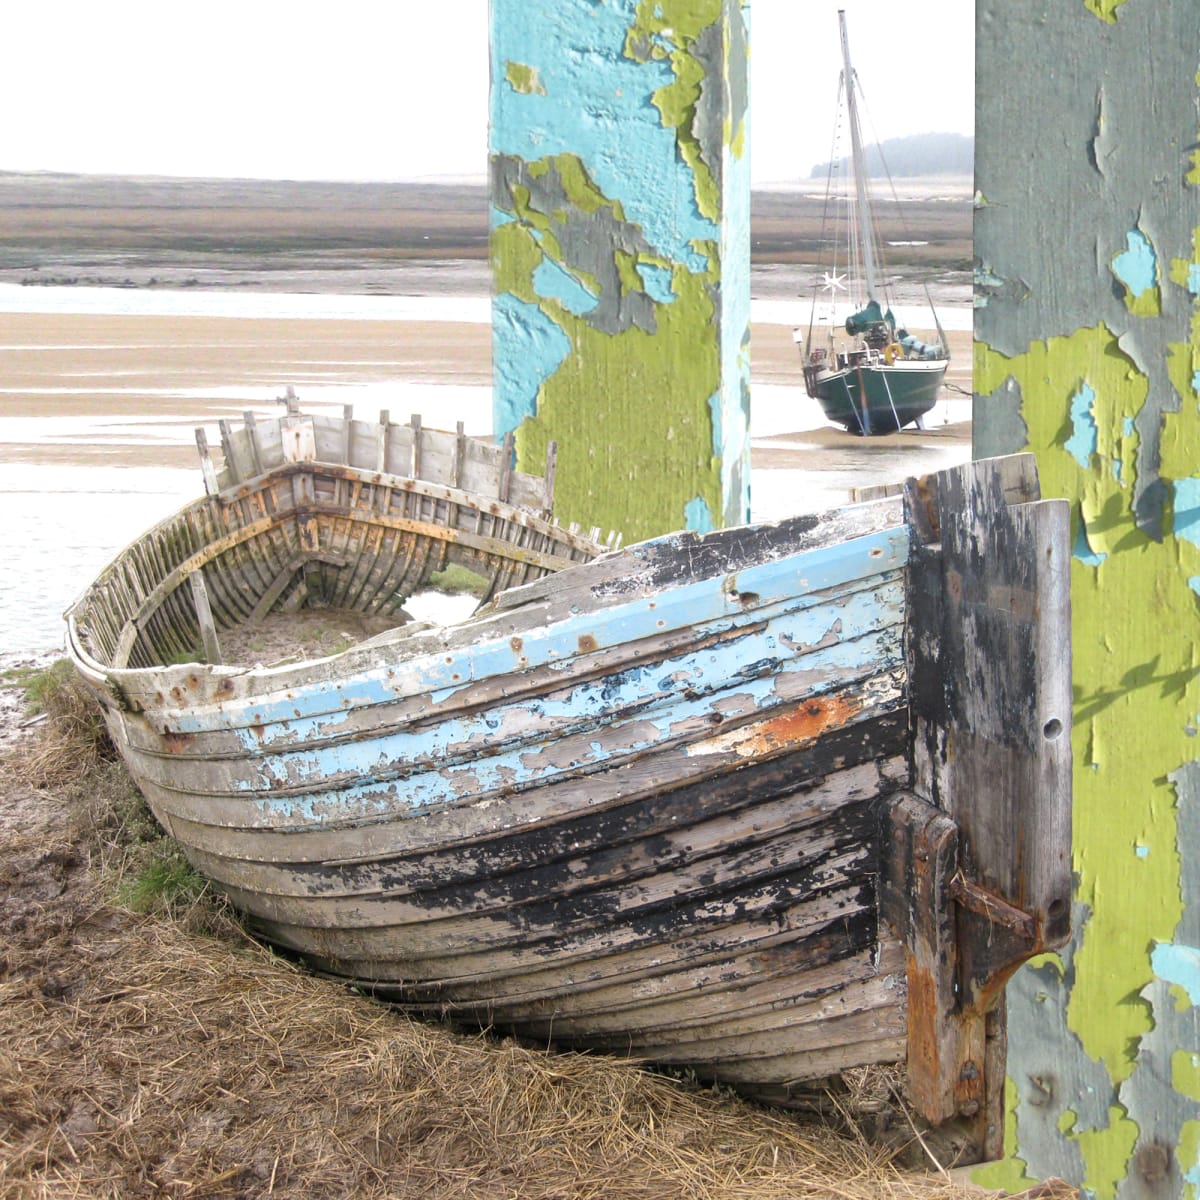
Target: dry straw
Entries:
(139, 1059)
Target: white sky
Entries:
(397, 89)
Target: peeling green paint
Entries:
(1106, 10)
(1088, 354)
(1106, 1153)
(1082, 396)
(649, 477)
(523, 78)
(1188, 1153)
(669, 29)
(667, 462)
(1185, 1072)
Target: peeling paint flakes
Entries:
(1082, 549)
(1187, 509)
(1085, 435)
(1093, 534)
(1185, 1073)
(1189, 1158)
(1136, 268)
(1180, 965)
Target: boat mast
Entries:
(865, 222)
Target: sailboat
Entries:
(870, 375)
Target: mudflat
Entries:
(137, 371)
(337, 236)
(248, 237)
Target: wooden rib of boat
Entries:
(678, 800)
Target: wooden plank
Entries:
(206, 464)
(414, 468)
(381, 445)
(347, 427)
(208, 628)
(256, 458)
(506, 461)
(990, 702)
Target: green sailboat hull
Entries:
(871, 400)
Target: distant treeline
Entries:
(918, 154)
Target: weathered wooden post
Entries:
(620, 249)
(1088, 353)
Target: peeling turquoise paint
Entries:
(1179, 965)
(698, 515)
(623, 178)
(1082, 549)
(1081, 445)
(540, 347)
(1187, 509)
(1194, 583)
(552, 281)
(593, 91)
(657, 281)
(1137, 266)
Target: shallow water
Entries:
(147, 302)
(60, 524)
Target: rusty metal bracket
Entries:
(962, 942)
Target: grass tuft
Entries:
(165, 884)
(458, 579)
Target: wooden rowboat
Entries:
(766, 803)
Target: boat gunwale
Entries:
(514, 610)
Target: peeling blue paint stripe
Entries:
(369, 792)
(658, 281)
(552, 281)
(542, 347)
(788, 634)
(1082, 550)
(634, 710)
(790, 581)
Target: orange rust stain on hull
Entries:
(797, 727)
(177, 743)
